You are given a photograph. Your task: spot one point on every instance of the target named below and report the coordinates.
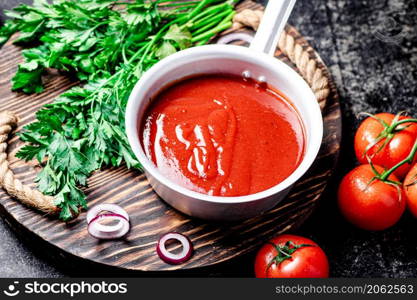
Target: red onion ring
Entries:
(114, 208)
(171, 258)
(238, 36)
(101, 231)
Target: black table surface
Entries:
(370, 47)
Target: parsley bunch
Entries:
(107, 45)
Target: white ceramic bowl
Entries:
(223, 59)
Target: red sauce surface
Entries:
(223, 135)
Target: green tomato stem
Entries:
(204, 28)
(210, 13)
(215, 22)
(395, 125)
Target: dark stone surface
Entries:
(370, 47)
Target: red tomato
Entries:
(392, 153)
(370, 206)
(308, 261)
(410, 189)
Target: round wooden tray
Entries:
(150, 216)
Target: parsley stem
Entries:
(210, 12)
(198, 8)
(210, 19)
(211, 32)
(160, 34)
(214, 23)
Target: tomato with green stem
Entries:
(410, 189)
(386, 140)
(291, 256)
(368, 201)
(371, 197)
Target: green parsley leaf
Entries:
(107, 45)
(181, 36)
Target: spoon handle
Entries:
(275, 17)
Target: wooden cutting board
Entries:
(150, 216)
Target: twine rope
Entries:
(13, 186)
(250, 18)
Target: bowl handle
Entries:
(275, 17)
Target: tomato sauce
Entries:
(223, 135)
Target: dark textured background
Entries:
(370, 47)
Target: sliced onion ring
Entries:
(238, 36)
(101, 231)
(171, 258)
